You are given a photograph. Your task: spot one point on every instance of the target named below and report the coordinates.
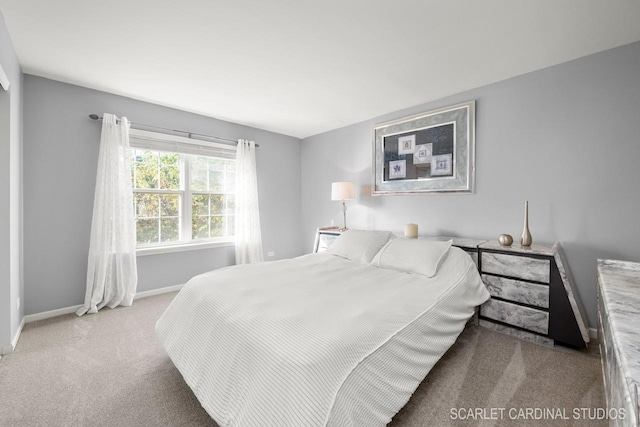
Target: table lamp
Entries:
(342, 191)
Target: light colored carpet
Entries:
(108, 369)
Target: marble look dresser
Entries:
(619, 336)
(532, 295)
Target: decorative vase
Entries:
(525, 238)
(505, 239)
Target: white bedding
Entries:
(316, 340)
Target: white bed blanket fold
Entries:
(275, 344)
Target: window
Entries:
(183, 192)
(212, 198)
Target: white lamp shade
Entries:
(342, 191)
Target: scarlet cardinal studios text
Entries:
(537, 414)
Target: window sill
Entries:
(156, 250)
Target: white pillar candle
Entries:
(411, 231)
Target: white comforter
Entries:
(274, 344)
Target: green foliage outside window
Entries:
(158, 211)
(157, 214)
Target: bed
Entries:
(339, 338)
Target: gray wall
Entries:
(60, 159)
(565, 138)
(10, 193)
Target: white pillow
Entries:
(413, 255)
(359, 245)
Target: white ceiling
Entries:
(302, 67)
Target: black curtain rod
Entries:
(231, 141)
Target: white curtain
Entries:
(247, 233)
(111, 271)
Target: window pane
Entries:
(146, 175)
(170, 177)
(199, 174)
(231, 204)
(217, 226)
(146, 205)
(169, 205)
(212, 174)
(217, 204)
(222, 225)
(230, 181)
(200, 227)
(147, 231)
(229, 176)
(216, 181)
(200, 204)
(170, 159)
(169, 229)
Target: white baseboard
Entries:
(14, 343)
(51, 313)
(152, 292)
(68, 310)
(9, 348)
(593, 333)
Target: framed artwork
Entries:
(426, 153)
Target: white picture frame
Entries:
(451, 130)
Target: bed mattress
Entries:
(316, 340)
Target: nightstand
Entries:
(324, 237)
(532, 294)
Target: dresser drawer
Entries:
(522, 267)
(517, 315)
(516, 290)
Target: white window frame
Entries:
(187, 147)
